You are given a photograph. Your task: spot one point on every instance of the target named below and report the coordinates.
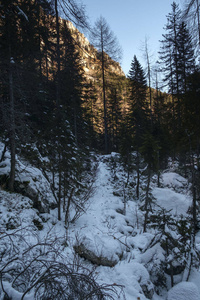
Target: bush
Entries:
(37, 270)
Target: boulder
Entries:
(184, 291)
(26, 190)
(90, 255)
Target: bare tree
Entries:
(147, 57)
(107, 45)
(192, 13)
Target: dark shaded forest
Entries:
(50, 107)
(65, 101)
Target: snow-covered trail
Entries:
(103, 203)
(99, 220)
(105, 231)
(102, 228)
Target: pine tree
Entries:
(169, 59)
(114, 117)
(71, 76)
(137, 116)
(150, 151)
(177, 59)
(90, 112)
(186, 59)
(138, 106)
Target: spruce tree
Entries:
(137, 117)
(169, 59)
(177, 61)
(114, 117)
(186, 58)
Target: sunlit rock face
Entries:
(89, 54)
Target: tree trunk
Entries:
(57, 55)
(138, 176)
(59, 188)
(104, 105)
(194, 186)
(68, 206)
(75, 124)
(146, 206)
(149, 80)
(12, 129)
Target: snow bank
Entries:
(132, 275)
(170, 200)
(184, 291)
(173, 180)
(30, 181)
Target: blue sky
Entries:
(132, 21)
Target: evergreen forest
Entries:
(67, 110)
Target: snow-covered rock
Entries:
(29, 181)
(174, 181)
(170, 200)
(184, 291)
(102, 250)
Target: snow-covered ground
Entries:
(113, 236)
(106, 231)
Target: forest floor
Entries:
(111, 230)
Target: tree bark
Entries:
(68, 206)
(104, 104)
(138, 176)
(147, 200)
(12, 129)
(57, 55)
(59, 188)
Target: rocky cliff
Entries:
(89, 54)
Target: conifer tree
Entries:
(177, 59)
(71, 77)
(186, 58)
(138, 110)
(150, 152)
(90, 112)
(169, 59)
(114, 116)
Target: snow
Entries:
(172, 179)
(184, 291)
(98, 227)
(27, 174)
(131, 275)
(177, 203)
(105, 230)
(13, 294)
